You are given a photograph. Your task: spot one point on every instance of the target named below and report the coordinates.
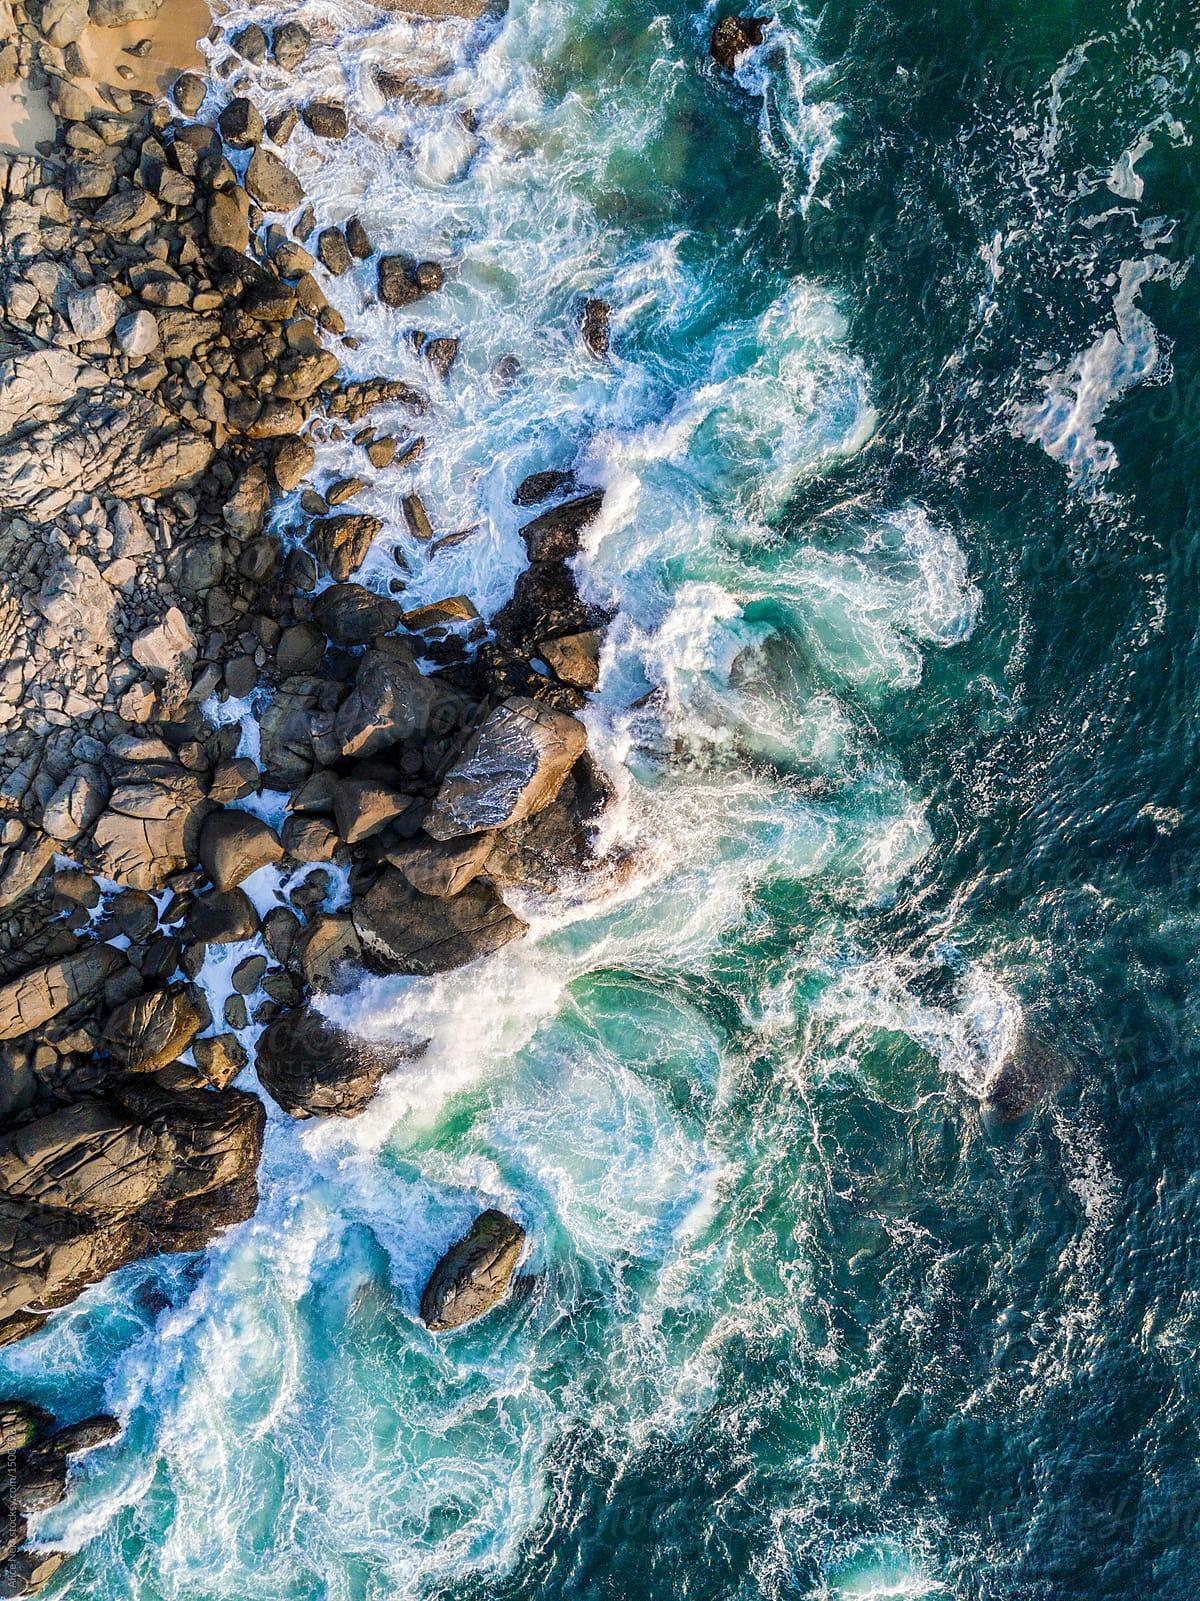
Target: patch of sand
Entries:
(25, 117)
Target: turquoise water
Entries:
(899, 442)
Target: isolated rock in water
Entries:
(474, 1274)
(403, 931)
(147, 1032)
(556, 533)
(290, 45)
(105, 1181)
(188, 92)
(392, 700)
(341, 543)
(537, 487)
(515, 763)
(235, 844)
(313, 1068)
(594, 326)
(1030, 1071)
(35, 997)
(733, 36)
(326, 118)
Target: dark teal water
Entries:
(901, 450)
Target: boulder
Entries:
(514, 764)
(227, 222)
(152, 826)
(116, 13)
(235, 844)
(555, 535)
(1030, 1072)
(330, 953)
(98, 1184)
(574, 659)
(364, 806)
(403, 280)
(393, 701)
(21, 1424)
(593, 326)
(63, 21)
(475, 1273)
(291, 462)
(188, 92)
(76, 803)
(290, 45)
(537, 487)
(341, 543)
(545, 604)
(86, 1435)
(273, 185)
(350, 614)
(165, 646)
(220, 917)
(147, 1032)
(241, 124)
(93, 312)
(326, 118)
(403, 931)
(313, 1068)
(44, 992)
(733, 36)
(441, 868)
(250, 43)
(137, 334)
(555, 842)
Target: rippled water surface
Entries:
(899, 442)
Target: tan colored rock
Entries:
(43, 993)
(515, 763)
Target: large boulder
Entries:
(235, 844)
(403, 931)
(392, 700)
(545, 605)
(273, 185)
(151, 1030)
(556, 533)
(555, 842)
(475, 1273)
(105, 1181)
(42, 993)
(515, 763)
(441, 868)
(350, 614)
(313, 1068)
(341, 543)
(733, 37)
(152, 825)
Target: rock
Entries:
(1031, 1071)
(220, 1059)
(235, 844)
(441, 354)
(446, 613)
(75, 804)
(21, 1424)
(42, 993)
(240, 123)
(556, 842)
(341, 543)
(37, 1480)
(116, 13)
(313, 1068)
(135, 915)
(220, 917)
(334, 251)
(330, 954)
(417, 518)
(326, 118)
(292, 461)
(402, 280)
(272, 184)
(243, 512)
(98, 1184)
(152, 825)
(250, 43)
(299, 376)
(545, 605)
(93, 312)
(438, 868)
(30, 1570)
(393, 701)
(63, 21)
(733, 36)
(349, 614)
(515, 763)
(540, 486)
(594, 326)
(364, 806)
(188, 92)
(310, 839)
(147, 1032)
(227, 223)
(86, 1435)
(403, 931)
(137, 334)
(164, 647)
(555, 535)
(475, 1273)
(300, 649)
(574, 658)
(290, 45)
(358, 239)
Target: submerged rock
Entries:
(1031, 1071)
(313, 1068)
(475, 1273)
(556, 533)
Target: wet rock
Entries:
(403, 281)
(220, 917)
(1030, 1072)
(272, 184)
(250, 43)
(594, 326)
(515, 763)
(219, 1059)
(330, 953)
(326, 118)
(393, 701)
(403, 931)
(540, 486)
(358, 239)
(733, 36)
(227, 223)
(235, 844)
(241, 124)
(292, 461)
(290, 45)
(545, 605)
(188, 92)
(556, 534)
(475, 1273)
(86, 1435)
(341, 543)
(334, 252)
(147, 1032)
(555, 842)
(105, 1181)
(574, 658)
(313, 1068)
(22, 1424)
(349, 614)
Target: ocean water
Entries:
(899, 438)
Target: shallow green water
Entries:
(918, 757)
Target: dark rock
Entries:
(555, 535)
(235, 844)
(594, 326)
(574, 658)
(358, 239)
(1028, 1074)
(545, 605)
(21, 1424)
(334, 252)
(403, 280)
(220, 917)
(330, 954)
(290, 45)
(403, 931)
(240, 123)
(147, 1032)
(273, 185)
(392, 701)
(475, 1273)
(313, 1068)
(540, 486)
(86, 1435)
(188, 92)
(556, 841)
(441, 868)
(42, 993)
(733, 36)
(251, 44)
(326, 118)
(341, 543)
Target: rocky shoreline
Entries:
(167, 356)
